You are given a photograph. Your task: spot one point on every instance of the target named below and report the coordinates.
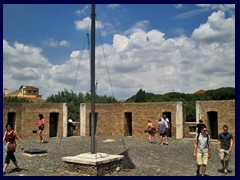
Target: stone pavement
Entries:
(140, 157)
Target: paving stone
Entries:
(140, 157)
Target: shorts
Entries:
(163, 133)
(202, 158)
(224, 154)
(41, 128)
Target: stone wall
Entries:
(111, 118)
(224, 111)
(26, 117)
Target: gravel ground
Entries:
(140, 157)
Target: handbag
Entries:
(5, 148)
(11, 147)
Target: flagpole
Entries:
(93, 92)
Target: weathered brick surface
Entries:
(111, 118)
(26, 117)
(225, 111)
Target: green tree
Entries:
(140, 96)
(16, 99)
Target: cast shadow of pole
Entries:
(127, 162)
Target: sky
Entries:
(158, 48)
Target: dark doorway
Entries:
(53, 124)
(11, 118)
(168, 114)
(95, 127)
(213, 124)
(128, 124)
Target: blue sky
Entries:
(156, 47)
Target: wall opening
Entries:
(128, 124)
(168, 114)
(53, 126)
(11, 118)
(95, 127)
(213, 124)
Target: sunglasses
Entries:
(204, 130)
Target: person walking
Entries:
(151, 132)
(225, 145)
(40, 128)
(202, 150)
(162, 126)
(9, 138)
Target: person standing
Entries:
(199, 126)
(164, 118)
(151, 132)
(162, 126)
(225, 145)
(40, 128)
(202, 150)
(9, 138)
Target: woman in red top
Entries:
(9, 137)
(41, 127)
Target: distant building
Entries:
(199, 92)
(28, 92)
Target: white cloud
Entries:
(82, 11)
(53, 43)
(216, 29)
(222, 7)
(141, 58)
(120, 42)
(139, 26)
(86, 23)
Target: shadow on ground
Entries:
(127, 162)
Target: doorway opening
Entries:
(213, 124)
(53, 124)
(128, 124)
(168, 114)
(11, 118)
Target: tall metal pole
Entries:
(93, 92)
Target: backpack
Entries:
(198, 138)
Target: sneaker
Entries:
(166, 143)
(4, 172)
(16, 168)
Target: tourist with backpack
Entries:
(225, 145)
(162, 126)
(202, 150)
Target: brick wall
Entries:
(111, 117)
(26, 117)
(225, 111)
